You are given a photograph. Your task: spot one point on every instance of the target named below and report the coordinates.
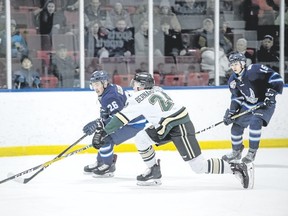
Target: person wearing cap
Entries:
(267, 51)
(164, 12)
(18, 43)
(64, 68)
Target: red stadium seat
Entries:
(174, 80)
(198, 79)
(123, 79)
(44, 55)
(49, 82)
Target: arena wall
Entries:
(46, 122)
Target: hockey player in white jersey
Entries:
(171, 122)
(112, 99)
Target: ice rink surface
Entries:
(63, 190)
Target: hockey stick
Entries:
(26, 180)
(233, 117)
(46, 164)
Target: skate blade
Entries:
(152, 182)
(251, 172)
(106, 175)
(87, 173)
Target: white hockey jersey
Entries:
(156, 106)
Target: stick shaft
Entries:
(26, 180)
(58, 157)
(233, 117)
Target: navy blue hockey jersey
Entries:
(250, 88)
(112, 101)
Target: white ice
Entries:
(63, 190)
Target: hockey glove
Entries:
(98, 138)
(270, 100)
(91, 127)
(227, 117)
(104, 114)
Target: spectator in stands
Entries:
(226, 29)
(2, 15)
(277, 20)
(49, 21)
(19, 46)
(72, 5)
(266, 14)
(139, 16)
(238, 9)
(267, 51)
(164, 12)
(143, 67)
(95, 40)
(26, 77)
(117, 13)
(250, 10)
(167, 41)
(64, 68)
(241, 47)
(121, 40)
(188, 7)
(173, 70)
(161, 71)
(208, 62)
(141, 40)
(187, 45)
(94, 11)
(210, 9)
(206, 37)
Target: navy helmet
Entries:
(237, 57)
(99, 76)
(145, 79)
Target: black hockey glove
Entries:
(104, 113)
(98, 138)
(227, 117)
(270, 97)
(91, 127)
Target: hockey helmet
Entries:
(99, 76)
(237, 57)
(145, 79)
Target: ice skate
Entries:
(152, 176)
(234, 156)
(89, 168)
(105, 170)
(250, 157)
(241, 172)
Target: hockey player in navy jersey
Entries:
(112, 99)
(250, 86)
